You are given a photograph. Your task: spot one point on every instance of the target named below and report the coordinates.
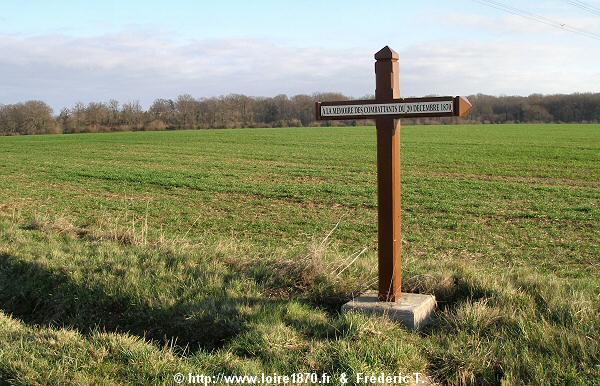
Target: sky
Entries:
(69, 51)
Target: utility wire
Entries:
(585, 6)
(540, 19)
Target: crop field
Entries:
(130, 257)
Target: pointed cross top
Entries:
(386, 53)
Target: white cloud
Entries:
(142, 66)
(500, 68)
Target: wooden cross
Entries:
(386, 109)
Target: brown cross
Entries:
(386, 109)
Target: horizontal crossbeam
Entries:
(446, 106)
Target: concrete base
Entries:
(413, 310)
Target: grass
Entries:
(129, 257)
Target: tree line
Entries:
(232, 111)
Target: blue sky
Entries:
(303, 22)
(69, 51)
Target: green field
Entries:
(129, 257)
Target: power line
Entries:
(540, 19)
(585, 6)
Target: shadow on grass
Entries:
(43, 296)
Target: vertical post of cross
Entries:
(388, 179)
